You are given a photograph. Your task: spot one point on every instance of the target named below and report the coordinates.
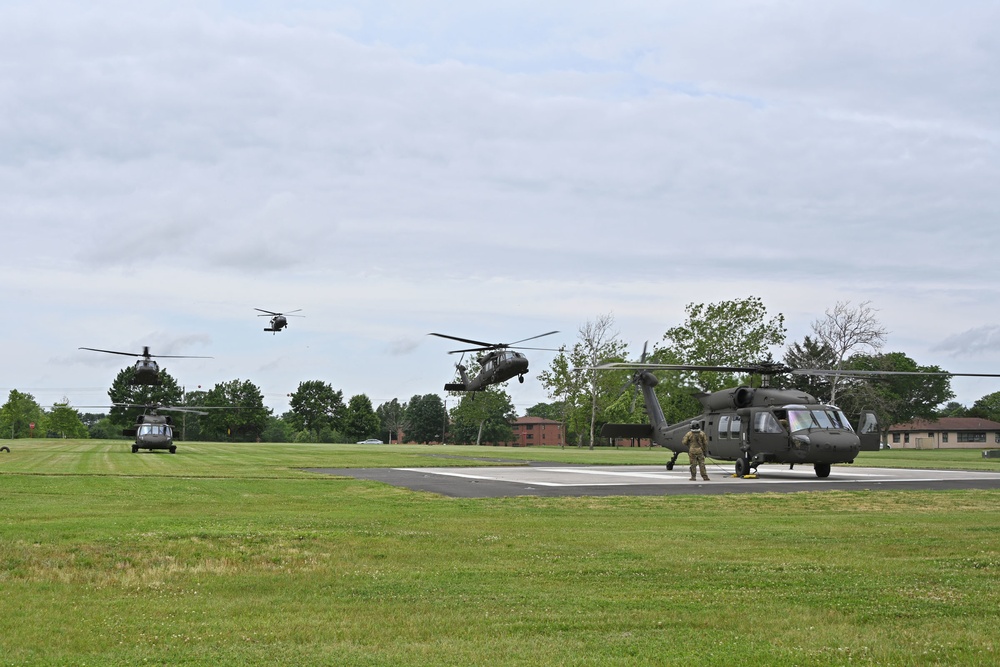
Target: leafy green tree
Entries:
(360, 420)
(728, 333)
(105, 429)
(483, 416)
(553, 411)
(129, 400)
(894, 398)
(65, 421)
(316, 407)
(393, 418)
(277, 430)
(18, 414)
(239, 412)
(955, 409)
(427, 419)
(812, 353)
(987, 407)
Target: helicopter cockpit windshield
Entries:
(154, 429)
(801, 419)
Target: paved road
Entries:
(548, 479)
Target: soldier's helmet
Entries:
(695, 426)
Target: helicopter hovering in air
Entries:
(754, 425)
(278, 320)
(146, 371)
(499, 364)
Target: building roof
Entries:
(948, 424)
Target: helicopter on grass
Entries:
(278, 320)
(153, 430)
(499, 364)
(754, 425)
(146, 371)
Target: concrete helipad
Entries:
(540, 479)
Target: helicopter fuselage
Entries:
(146, 371)
(278, 323)
(496, 366)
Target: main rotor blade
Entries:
(547, 349)
(860, 373)
(127, 354)
(767, 370)
(532, 338)
(266, 311)
(486, 346)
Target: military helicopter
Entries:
(146, 370)
(278, 320)
(153, 430)
(499, 364)
(751, 425)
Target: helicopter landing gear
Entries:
(672, 461)
(520, 378)
(173, 450)
(135, 448)
(5, 448)
(742, 466)
(822, 470)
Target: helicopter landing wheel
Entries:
(135, 449)
(742, 466)
(173, 450)
(520, 378)
(5, 448)
(822, 470)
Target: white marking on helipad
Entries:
(624, 475)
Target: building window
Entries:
(529, 426)
(944, 437)
(972, 436)
(895, 438)
(906, 437)
(529, 436)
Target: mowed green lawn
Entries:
(232, 555)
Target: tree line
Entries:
(728, 333)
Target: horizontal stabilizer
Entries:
(130, 432)
(626, 431)
(454, 387)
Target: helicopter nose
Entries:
(830, 444)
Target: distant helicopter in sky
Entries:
(146, 371)
(278, 320)
(499, 364)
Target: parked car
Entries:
(370, 441)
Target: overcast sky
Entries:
(491, 171)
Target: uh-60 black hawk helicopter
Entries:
(278, 320)
(153, 430)
(146, 371)
(751, 425)
(499, 364)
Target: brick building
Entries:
(536, 432)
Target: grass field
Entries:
(231, 555)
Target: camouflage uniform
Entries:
(697, 443)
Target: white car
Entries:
(370, 441)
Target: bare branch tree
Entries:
(598, 343)
(848, 330)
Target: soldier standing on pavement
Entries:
(697, 444)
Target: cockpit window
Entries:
(764, 422)
(800, 420)
(154, 429)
